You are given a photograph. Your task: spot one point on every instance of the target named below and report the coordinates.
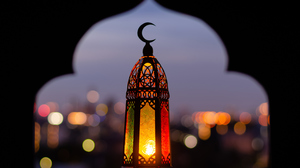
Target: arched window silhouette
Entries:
(269, 36)
(201, 100)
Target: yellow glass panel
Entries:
(147, 132)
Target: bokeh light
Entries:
(190, 141)
(209, 117)
(119, 108)
(92, 96)
(101, 109)
(52, 136)
(239, 128)
(88, 145)
(263, 120)
(37, 136)
(55, 118)
(186, 121)
(245, 118)
(204, 131)
(45, 162)
(44, 110)
(53, 106)
(264, 109)
(222, 129)
(93, 120)
(77, 118)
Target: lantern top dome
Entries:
(148, 50)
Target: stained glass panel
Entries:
(129, 133)
(147, 132)
(165, 134)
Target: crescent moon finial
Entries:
(140, 30)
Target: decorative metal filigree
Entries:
(147, 76)
(151, 103)
(128, 160)
(132, 81)
(166, 160)
(143, 161)
(162, 79)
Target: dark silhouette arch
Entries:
(39, 38)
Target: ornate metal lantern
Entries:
(147, 128)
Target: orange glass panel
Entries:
(147, 132)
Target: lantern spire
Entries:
(148, 50)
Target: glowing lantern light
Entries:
(147, 128)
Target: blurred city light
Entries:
(263, 120)
(37, 136)
(204, 131)
(187, 121)
(222, 129)
(88, 145)
(93, 120)
(53, 106)
(119, 108)
(245, 118)
(264, 109)
(92, 96)
(55, 118)
(44, 110)
(211, 118)
(52, 136)
(239, 128)
(190, 141)
(77, 118)
(101, 109)
(45, 162)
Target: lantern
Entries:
(147, 128)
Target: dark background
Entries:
(38, 38)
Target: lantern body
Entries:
(147, 128)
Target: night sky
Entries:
(191, 53)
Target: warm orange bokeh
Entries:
(77, 118)
(239, 128)
(245, 117)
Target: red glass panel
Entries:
(165, 134)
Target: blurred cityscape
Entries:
(89, 134)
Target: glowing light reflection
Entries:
(88, 145)
(77, 118)
(239, 128)
(119, 108)
(45, 162)
(55, 118)
(44, 110)
(101, 109)
(92, 96)
(190, 141)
